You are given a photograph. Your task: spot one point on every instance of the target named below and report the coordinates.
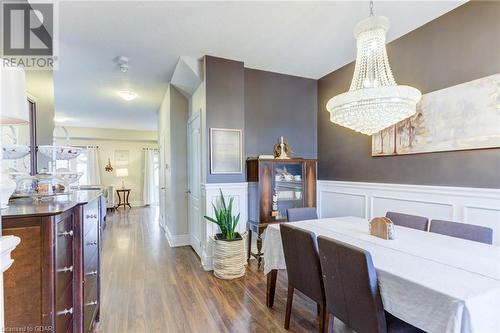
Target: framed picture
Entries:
(121, 157)
(226, 151)
(462, 117)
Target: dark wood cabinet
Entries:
(53, 284)
(276, 185)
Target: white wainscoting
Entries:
(460, 204)
(211, 194)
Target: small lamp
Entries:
(14, 111)
(122, 173)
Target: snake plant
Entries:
(224, 218)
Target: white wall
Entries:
(110, 140)
(173, 115)
(367, 200)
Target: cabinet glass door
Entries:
(288, 188)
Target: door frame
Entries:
(195, 243)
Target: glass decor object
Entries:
(374, 101)
(59, 152)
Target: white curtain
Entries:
(148, 192)
(93, 166)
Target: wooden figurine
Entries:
(382, 227)
(282, 149)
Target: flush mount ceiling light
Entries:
(374, 101)
(127, 95)
(122, 62)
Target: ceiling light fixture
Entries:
(374, 101)
(127, 95)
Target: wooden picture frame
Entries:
(226, 151)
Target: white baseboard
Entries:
(478, 206)
(176, 240)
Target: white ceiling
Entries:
(308, 39)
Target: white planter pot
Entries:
(229, 258)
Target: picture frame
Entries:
(122, 157)
(226, 151)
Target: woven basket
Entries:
(229, 257)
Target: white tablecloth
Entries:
(435, 282)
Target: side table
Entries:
(123, 195)
(258, 228)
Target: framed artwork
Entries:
(121, 157)
(226, 151)
(461, 117)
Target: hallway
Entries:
(149, 287)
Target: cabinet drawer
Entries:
(90, 301)
(90, 247)
(64, 243)
(64, 254)
(91, 266)
(90, 216)
(64, 310)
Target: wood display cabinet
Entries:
(277, 185)
(274, 186)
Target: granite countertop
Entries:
(26, 207)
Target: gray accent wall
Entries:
(225, 106)
(278, 104)
(457, 47)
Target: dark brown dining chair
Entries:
(303, 269)
(462, 230)
(301, 214)
(409, 221)
(351, 289)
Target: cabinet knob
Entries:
(91, 303)
(66, 269)
(91, 273)
(92, 243)
(65, 312)
(66, 233)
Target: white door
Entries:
(194, 179)
(162, 190)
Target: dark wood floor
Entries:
(149, 287)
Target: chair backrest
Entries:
(461, 230)
(302, 261)
(351, 288)
(301, 214)
(409, 221)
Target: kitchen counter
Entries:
(26, 207)
(54, 280)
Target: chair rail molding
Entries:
(479, 206)
(211, 194)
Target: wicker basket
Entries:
(229, 257)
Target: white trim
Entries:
(479, 206)
(176, 240)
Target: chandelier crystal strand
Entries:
(374, 100)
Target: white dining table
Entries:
(434, 282)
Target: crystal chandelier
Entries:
(374, 101)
